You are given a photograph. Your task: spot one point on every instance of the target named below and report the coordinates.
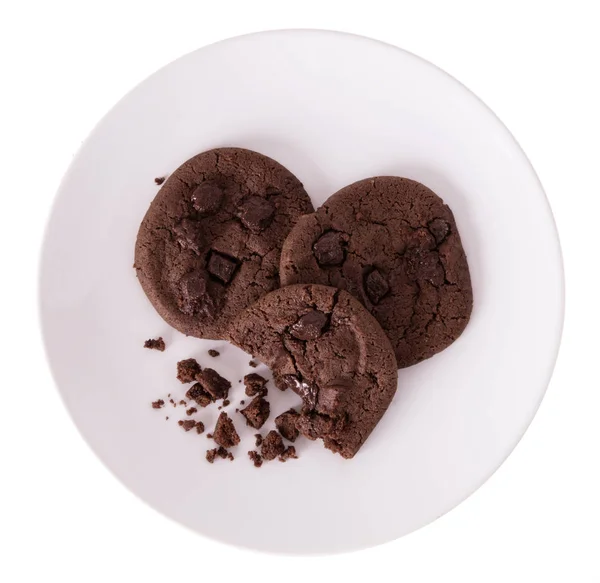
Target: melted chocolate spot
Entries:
(310, 326)
(221, 266)
(208, 198)
(256, 213)
(329, 249)
(376, 286)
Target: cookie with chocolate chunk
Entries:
(393, 244)
(210, 243)
(324, 345)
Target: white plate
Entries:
(333, 108)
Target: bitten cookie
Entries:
(322, 343)
(210, 243)
(393, 244)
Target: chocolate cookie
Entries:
(320, 342)
(210, 242)
(393, 244)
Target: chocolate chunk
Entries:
(213, 383)
(256, 213)
(422, 264)
(189, 235)
(332, 398)
(198, 394)
(286, 424)
(272, 446)
(376, 286)
(187, 370)
(194, 294)
(289, 453)
(214, 353)
(159, 180)
(257, 412)
(207, 198)
(158, 404)
(439, 228)
(187, 424)
(224, 433)
(155, 344)
(255, 385)
(329, 249)
(221, 266)
(256, 458)
(310, 326)
(308, 391)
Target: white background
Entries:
(63, 517)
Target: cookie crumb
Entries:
(253, 364)
(256, 458)
(158, 404)
(173, 402)
(191, 411)
(272, 446)
(255, 385)
(199, 427)
(259, 439)
(226, 402)
(197, 393)
(214, 353)
(211, 454)
(242, 402)
(160, 179)
(155, 344)
(209, 436)
(187, 370)
(221, 452)
(167, 418)
(182, 402)
(286, 424)
(288, 453)
(224, 433)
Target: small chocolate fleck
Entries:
(253, 364)
(214, 353)
(209, 436)
(226, 402)
(158, 404)
(329, 249)
(155, 344)
(160, 179)
(191, 411)
(182, 402)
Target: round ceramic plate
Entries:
(333, 108)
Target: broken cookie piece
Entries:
(212, 454)
(187, 370)
(155, 344)
(286, 424)
(198, 394)
(257, 412)
(213, 383)
(272, 446)
(158, 404)
(224, 433)
(255, 384)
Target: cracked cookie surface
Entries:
(322, 343)
(393, 244)
(210, 243)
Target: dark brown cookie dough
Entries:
(210, 242)
(346, 374)
(393, 244)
